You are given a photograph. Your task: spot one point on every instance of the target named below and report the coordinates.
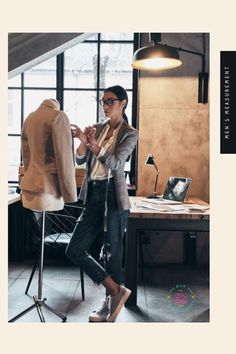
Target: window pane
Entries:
(15, 81)
(13, 157)
(117, 36)
(80, 107)
(33, 98)
(14, 111)
(127, 169)
(101, 116)
(81, 66)
(128, 110)
(115, 65)
(41, 75)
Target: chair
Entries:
(58, 231)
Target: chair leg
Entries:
(82, 283)
(141, 255)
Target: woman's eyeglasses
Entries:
(108, 102)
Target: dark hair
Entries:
(121, 94)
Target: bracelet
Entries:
(90, 147)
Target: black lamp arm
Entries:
(155, 186)
(203, 76)
(191, 52)
(156, 38)
(154, 163)
(195, 53)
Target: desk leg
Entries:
(190, 239)
(131, 262)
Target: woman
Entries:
(105, 149)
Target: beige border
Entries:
(181, 16)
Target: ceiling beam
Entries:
(26, 50)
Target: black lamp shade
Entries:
(149, 160)
(157, 57)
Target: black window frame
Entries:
(60, 89)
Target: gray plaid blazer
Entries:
(125, 143)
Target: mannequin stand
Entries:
(39, 301)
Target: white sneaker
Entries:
(102, 313)
(116, 303)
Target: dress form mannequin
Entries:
(49, 179)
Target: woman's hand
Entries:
(78, 133)
(91, 140)
(90, 133)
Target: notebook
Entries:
(175, 190)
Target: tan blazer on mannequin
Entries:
(49, 179)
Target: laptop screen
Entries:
(176, 188)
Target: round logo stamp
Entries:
(180, 297)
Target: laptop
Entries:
(175, 190)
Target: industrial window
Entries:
(77, 79)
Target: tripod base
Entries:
(39, 301)
(38, 304)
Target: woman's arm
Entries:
(117, 159)
(81, 149)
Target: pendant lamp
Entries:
(162, 57)
(156, 57)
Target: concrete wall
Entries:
(174, 127)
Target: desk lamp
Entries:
(151, 161)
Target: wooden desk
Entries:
(144, 220)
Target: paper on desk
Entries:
(161, 208)
(161, 201)
(197, 207)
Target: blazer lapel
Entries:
(121, 131)
(90, 157)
